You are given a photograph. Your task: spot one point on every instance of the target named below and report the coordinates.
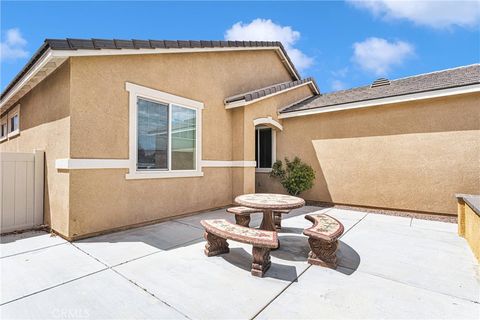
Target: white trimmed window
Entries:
(165, 134)
(3, 128)
(13, 122)
(264, 148)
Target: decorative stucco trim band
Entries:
(79, 164)
(228, 164)
(69, 164)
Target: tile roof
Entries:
(263, 92)
(92, 44)
(444, 79)
(116, 44)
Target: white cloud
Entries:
(338, 85)
(266, 30)
(13, 45)
(340, 73)
(379, 56)
(431, 13)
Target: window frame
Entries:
(4, 121)
(274, 148)
(136, 92)
(11, 114)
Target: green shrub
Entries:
(296, 177)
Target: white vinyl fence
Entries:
(21, 190)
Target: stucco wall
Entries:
(266, 108)
(45, 125)
(411, 156)
(103, 199)
(100, 102)
(244, 132)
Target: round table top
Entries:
(269, 201)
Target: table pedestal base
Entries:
(267, 222)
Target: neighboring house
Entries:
(140, 131)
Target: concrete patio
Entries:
(390, 267)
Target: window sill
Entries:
(13, 134)
(163, 175)
(263, 170)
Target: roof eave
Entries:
(45, 50)
(38, 69)
(383, 101)
(244, 102)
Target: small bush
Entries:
(296, 177)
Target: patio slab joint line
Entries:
(135, 284)
(280, 293)
(354, 225)
(52, 287)
(33, 250)
(188, 225)
(152, 253)
(414, 286)
(403, 283)
(294, 280)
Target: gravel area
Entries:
(411, 214)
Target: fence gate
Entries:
(21, 190)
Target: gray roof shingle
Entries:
(259, 93)
(99, 44)
(444, 79)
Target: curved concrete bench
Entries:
(323, 239)
(242, 215)
(217, 232)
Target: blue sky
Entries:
(341, 44)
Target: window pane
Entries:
(183, 138)
(3, 130)
(152, 132)
(265, 148)
(256, 148)
(14, 123)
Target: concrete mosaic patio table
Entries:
(269, 202)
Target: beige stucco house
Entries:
(141, 131)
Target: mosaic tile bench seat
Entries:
(323, 239)
(217, 231)
(242, 215)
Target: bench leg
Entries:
(323, 253)
(215, 245)
(261, 261)
(278, 220)
(242, 220)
